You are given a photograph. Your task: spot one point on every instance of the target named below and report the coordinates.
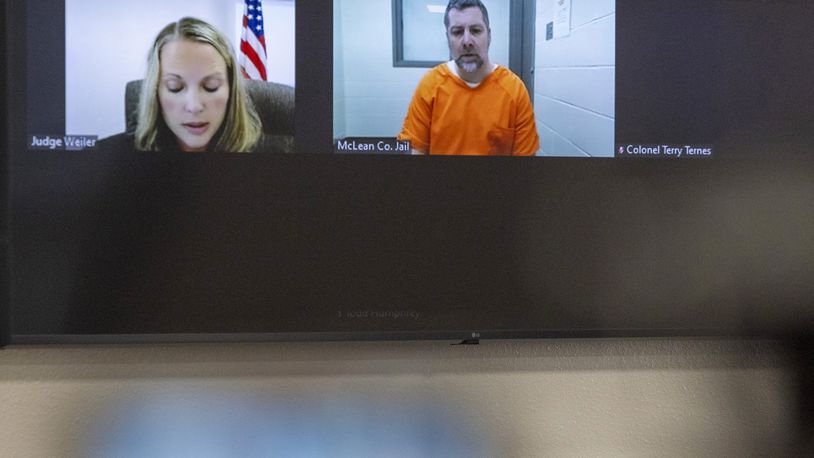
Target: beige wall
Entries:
(602, 397)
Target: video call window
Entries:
(570, 74)
(107, 44)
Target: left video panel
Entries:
(166, 75)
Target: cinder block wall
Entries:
(574, 80)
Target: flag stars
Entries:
(254, 17)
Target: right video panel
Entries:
(497, 77)
(674, 79)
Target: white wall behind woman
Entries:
(106, 45)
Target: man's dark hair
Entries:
(462, 4)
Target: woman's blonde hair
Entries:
(241, 128)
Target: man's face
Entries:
(468, 38)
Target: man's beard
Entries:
(469, 65)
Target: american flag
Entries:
(253, 42)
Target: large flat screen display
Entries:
(245, 169)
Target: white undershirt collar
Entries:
(454, 69)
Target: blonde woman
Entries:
(192, 97)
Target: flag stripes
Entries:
(252, 58)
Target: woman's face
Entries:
(193, 92)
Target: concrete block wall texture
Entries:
(574, 80)
(533, 398)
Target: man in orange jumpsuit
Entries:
(469, 105)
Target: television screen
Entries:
(280, 169)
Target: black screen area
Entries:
(126, 245)
(727, 73)
(4, 198)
